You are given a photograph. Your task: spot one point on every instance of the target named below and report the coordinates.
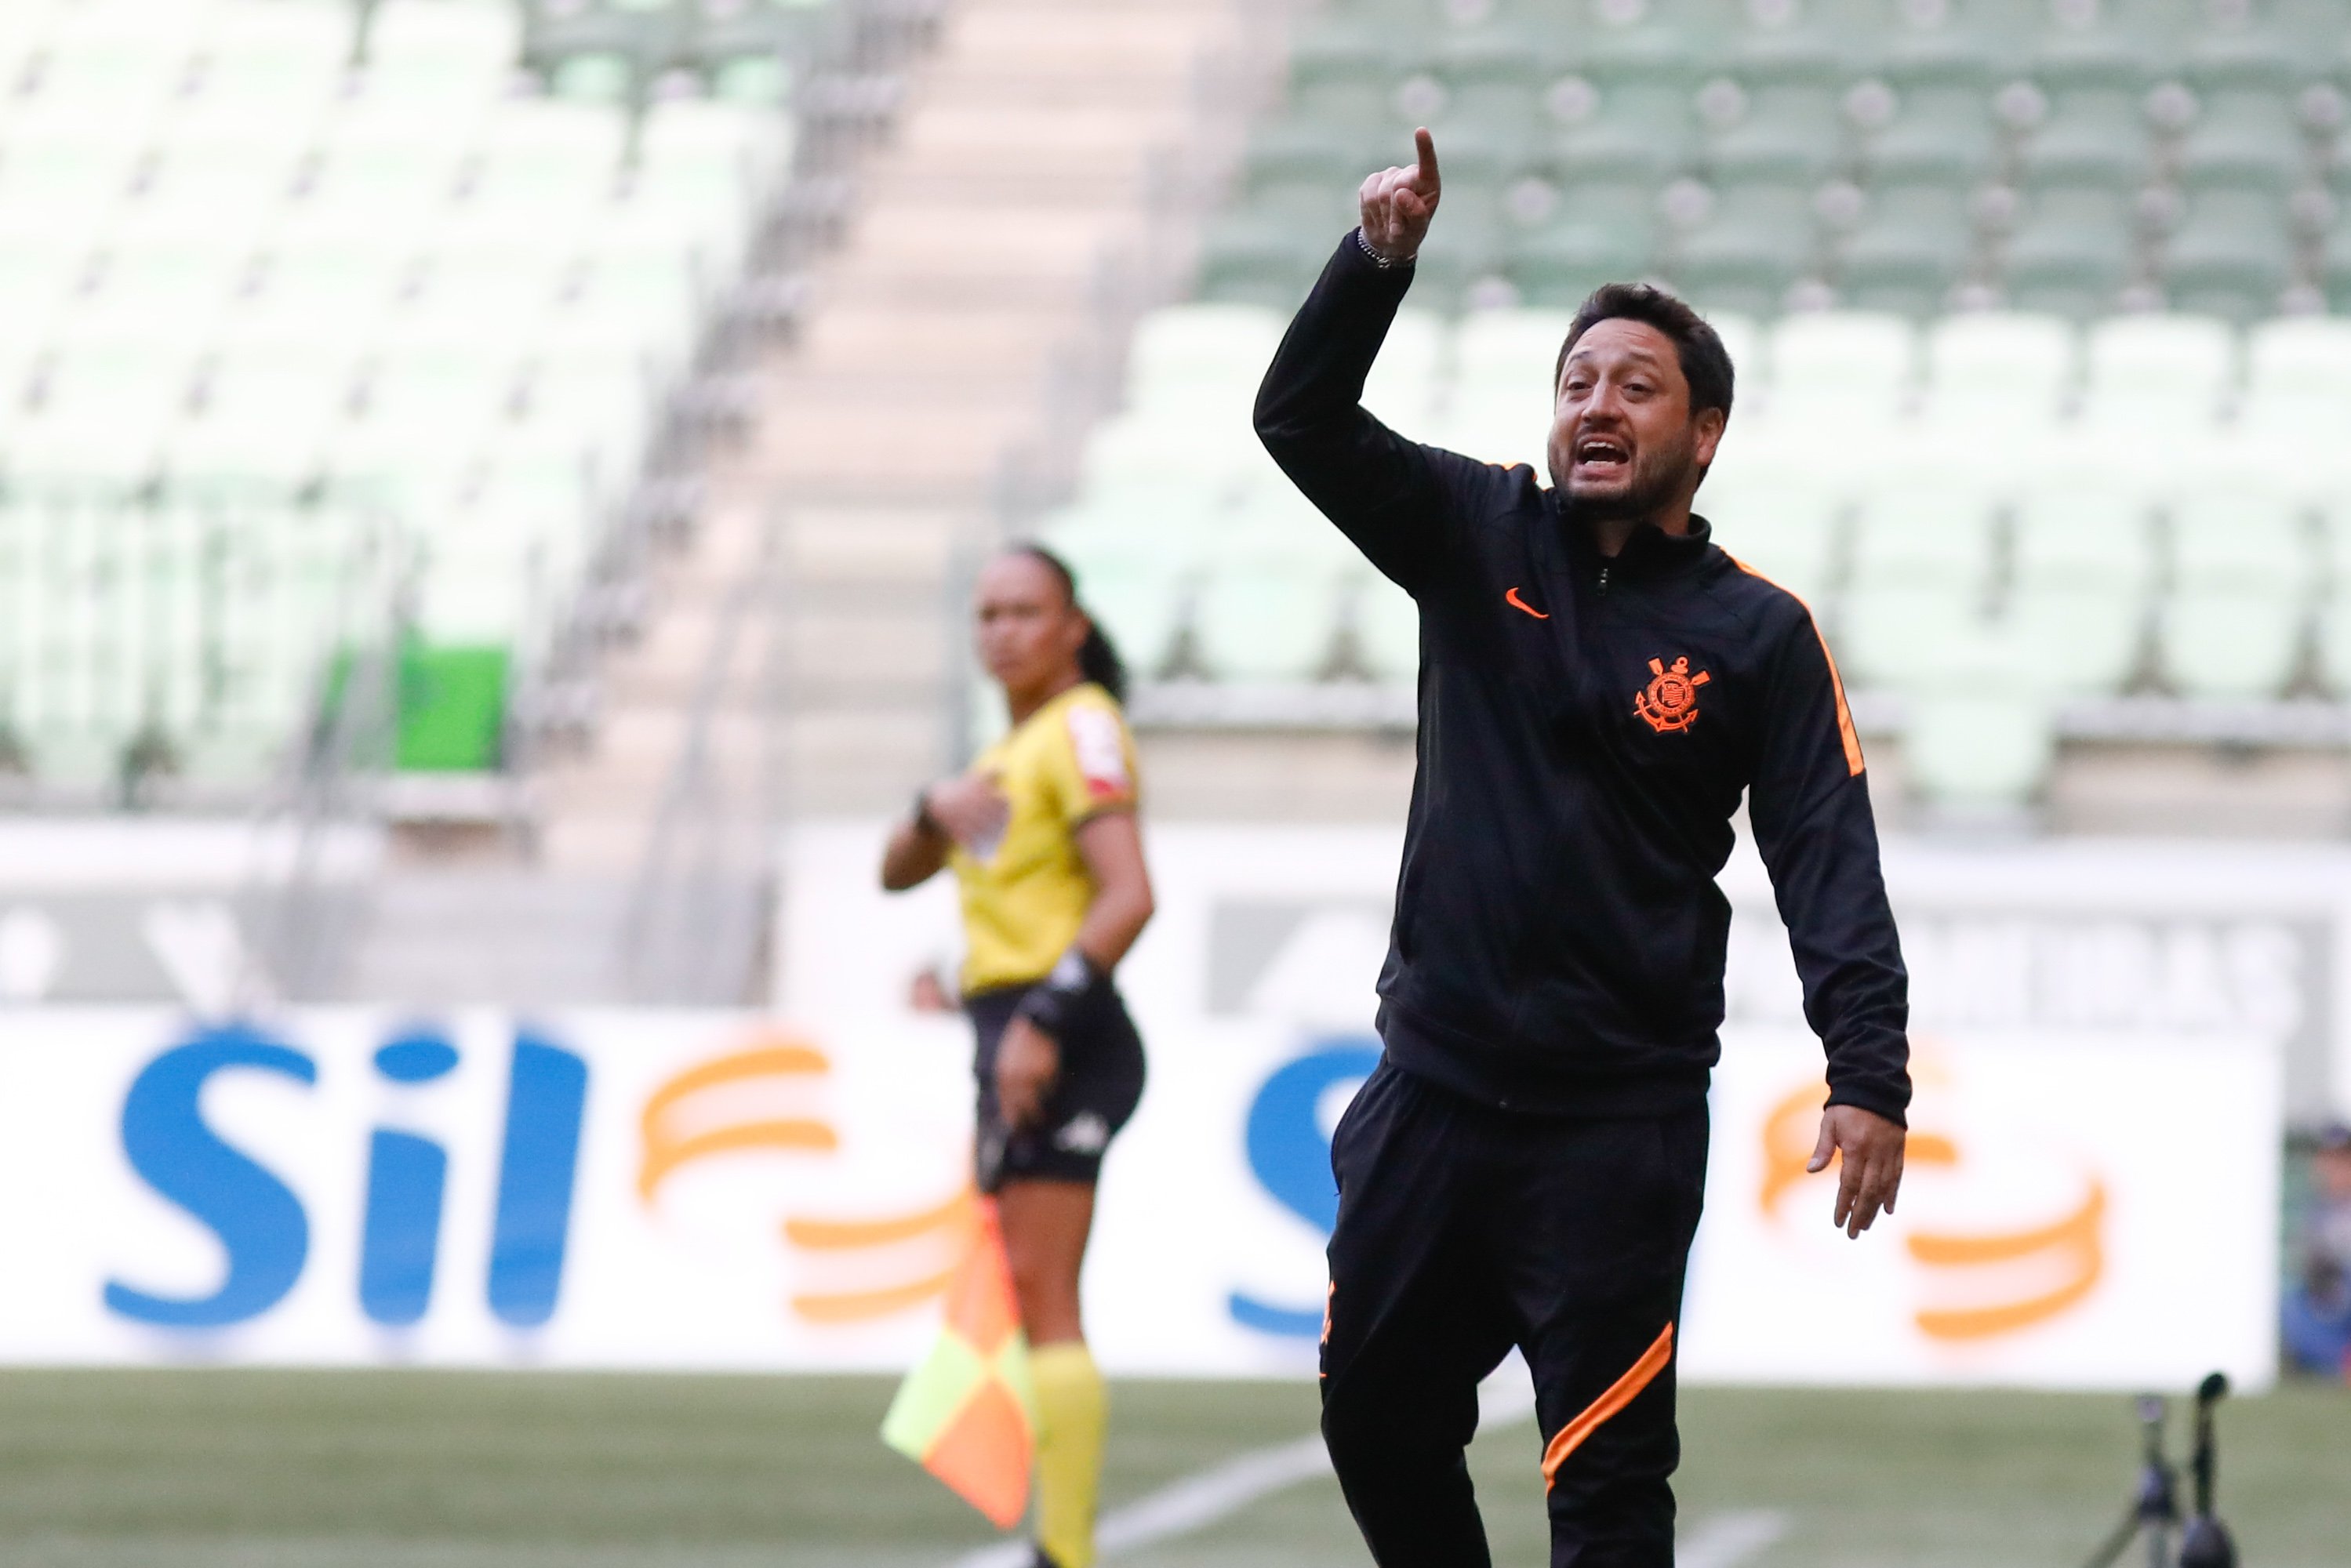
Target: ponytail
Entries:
(1098, 659)
(1100, 663)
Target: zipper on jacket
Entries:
(1604, 577)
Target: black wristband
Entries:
(1054, 1002)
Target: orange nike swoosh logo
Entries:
(1515, 602)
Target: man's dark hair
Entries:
(1706, 363)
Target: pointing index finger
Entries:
(1426, 144)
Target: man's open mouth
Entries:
(1600, 451)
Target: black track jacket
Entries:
(1587, 725)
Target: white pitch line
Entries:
(1199, 1500)
(1729, 1538)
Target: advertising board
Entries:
(2091, 1199)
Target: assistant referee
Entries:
(1599, 684)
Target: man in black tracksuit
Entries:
(1599, 687)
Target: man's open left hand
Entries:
(1872, 1174)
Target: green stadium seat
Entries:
(2162, 374)
(1486, 133)
(431, 48)
(1184, 355)
(1464, 248)
(1965, 43)
(2334, 630)
(2334, 262)
(1899, 638)
(1274, 523)
(1403, 379)
(1939, 132)
(1645, 41)
(1974, 751)
(2093, 135)
(167, 270)
(2298, 377)
(2233, 256)
(1923, 536)
(1516, 51)
(2079, 637)
(748, 50)
(42, 262)
(608, 399)
(490, 278)
(108, 398)
(231, 175)
(636, 40)
(1784, 524)
(1599, 233)
(1511, 353)
(1365, 107)
(1619, 132)
(452, 701)
(1792, 131)
(1387, 626)
(336, 269)
(695, 152)
(549, 156)
(1200, 459)
(1492, 428)
(1266, 619)
(2249, 540)
(2276, 49)
(1847, 365)
(1264, 256)
(1773, 45)
(2231, 628)
(2093, 50)
(1998, 370)
(262, 417)
(68, 157)
(1339, 46)
(2243, 137)
(388, 166)
(127, 55)
(1914, 244)
(635, 287)
(1139, 605)
(2073, 253)
(2084, 532)
(268, 54)
(1750, 251)
(2231, 644)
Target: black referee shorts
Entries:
(1464, 1232)
(1100, 1081)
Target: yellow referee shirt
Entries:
(1026, 894)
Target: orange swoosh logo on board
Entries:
(1515, 602)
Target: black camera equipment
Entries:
(2155, 1508)
(2207, 1542)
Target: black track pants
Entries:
(1463, 1231)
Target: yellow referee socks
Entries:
(1072, 1408)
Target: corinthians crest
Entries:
(1669, 702)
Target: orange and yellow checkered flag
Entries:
(967, 1412)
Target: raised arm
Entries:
(1385, 493)
(1813, 827)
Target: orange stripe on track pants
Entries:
(1595, 1415)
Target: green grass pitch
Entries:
(318, 1469)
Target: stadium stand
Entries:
(2028, 301)
(342, 327)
